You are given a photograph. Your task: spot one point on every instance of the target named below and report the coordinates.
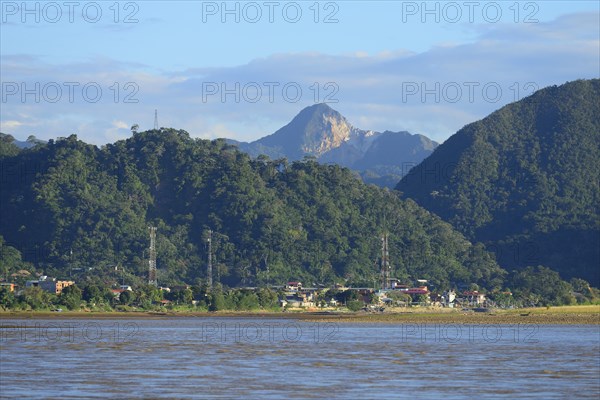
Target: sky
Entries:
(244, 69)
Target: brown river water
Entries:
(261, 358)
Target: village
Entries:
(294, 296)
(378, 300)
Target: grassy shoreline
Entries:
(586, 315)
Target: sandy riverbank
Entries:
(587, 315)
(553, 315)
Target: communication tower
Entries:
(152, 257)
(386, 268)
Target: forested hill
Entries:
(524, 180)
(69, 206)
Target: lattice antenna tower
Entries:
(209, 279)
(152, 257)
(155, 120)
(385, 262)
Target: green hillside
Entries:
(524, 180)
(74, 208)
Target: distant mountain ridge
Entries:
(322, 132)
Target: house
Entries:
(296, 301)
(306, 299)
(421, 289)
(387, 301)
(340, 287)
(177, 288)
(56, 286)
(9, 286)
(398, 286)
(20, 273)
(417, 290)
(308, 304)
(474, 297)
(448, 298)
(50, 285)
(291, 301)
(293, 286)
(117, 292)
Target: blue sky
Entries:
(244, 69)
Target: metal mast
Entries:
(209, 279)
(155, 120)
(385, 262)
(152, 257)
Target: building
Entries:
(293, 286)
(177, 288)
(474, 297)
(417, 290)
(300, 300)
(50, 285)
(397, 286)
(9, 286)
(448, 298)
(291, 301)
(117, 292)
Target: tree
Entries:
(582, 288)
(399, 298)
(7, 298)
(127, 297)
(36, 298)
(267, 298)
(354, 305)
(346, 296)
(146, 295)
(10, 259)
(422, 299)
(217, 301)
(92, 293)
(542, 286)
(248, 301)
(184, 296)
(71, 297)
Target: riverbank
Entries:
(586, 315)
(573, 315)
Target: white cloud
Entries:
(117, 131)
(6, 125)
(434, 92)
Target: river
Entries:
(261, 358)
